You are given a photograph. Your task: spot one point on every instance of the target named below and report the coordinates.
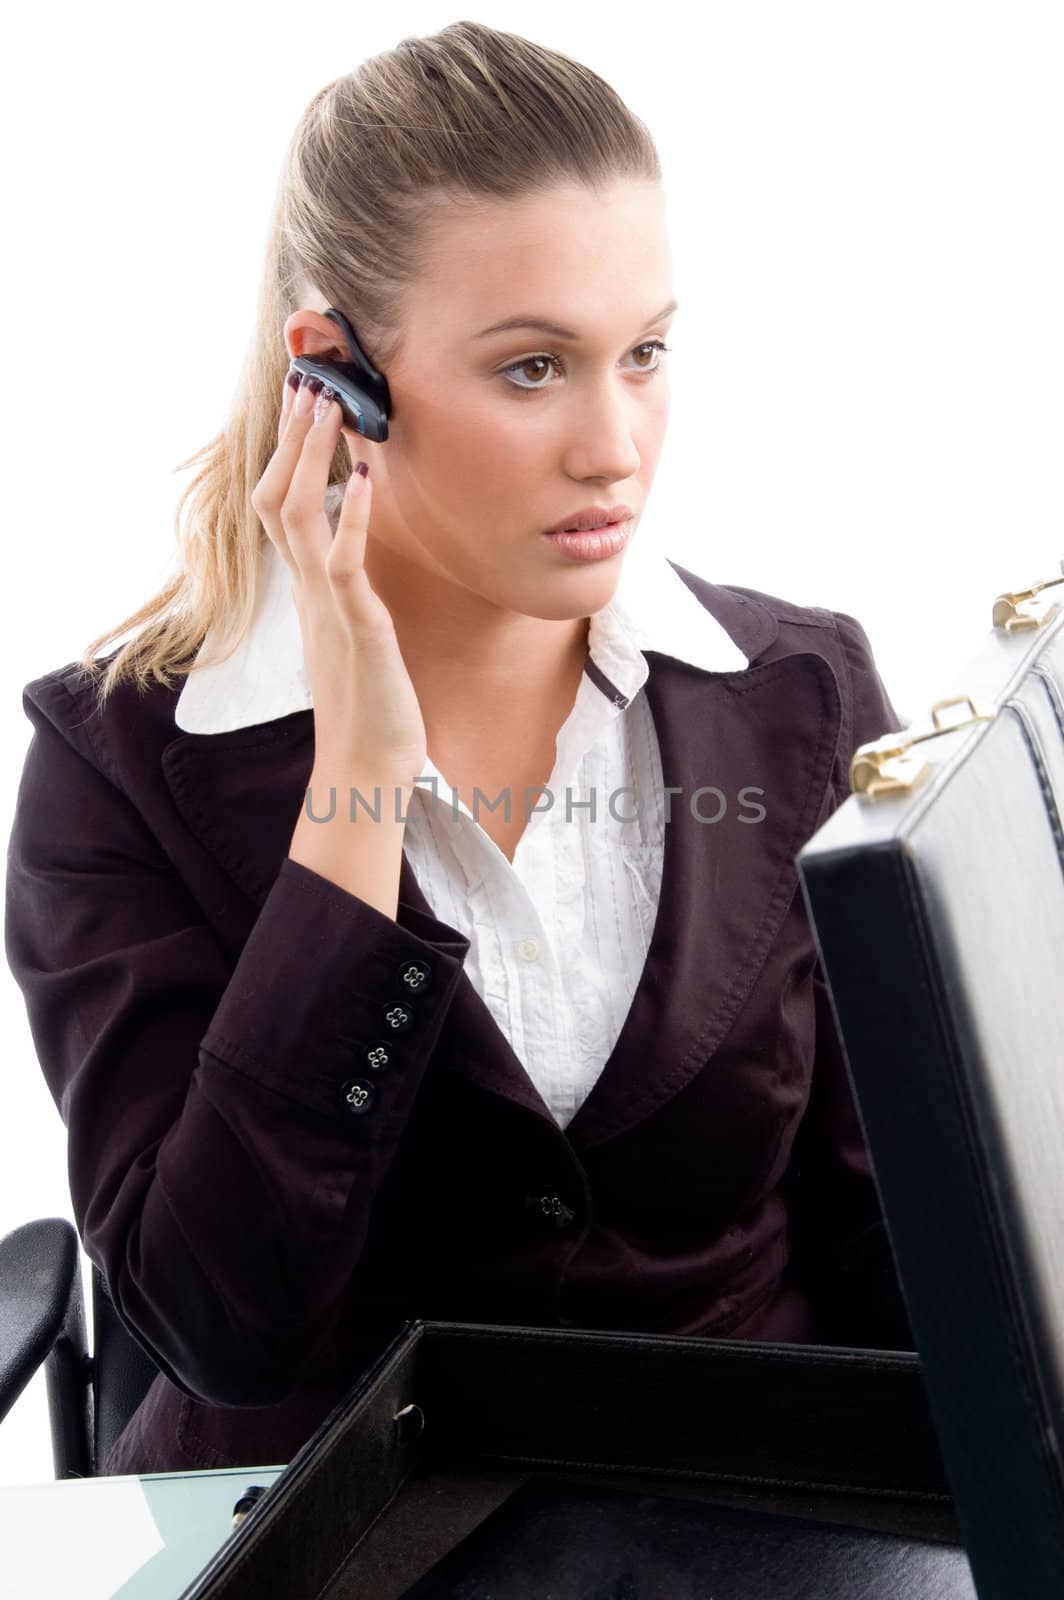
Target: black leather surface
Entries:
(418, 1453)
(749, 1411)
(569, 1542)
(940, 921)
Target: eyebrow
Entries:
(545, 325)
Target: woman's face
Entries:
(497, 436)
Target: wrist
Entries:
(346, 793)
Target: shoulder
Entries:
(133, 718)
(767, 626)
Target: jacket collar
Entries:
(652, 609)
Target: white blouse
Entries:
(558, 937)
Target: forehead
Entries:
(590, 260)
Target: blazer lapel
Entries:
(726, 885)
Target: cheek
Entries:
(477, 447)
(478, 453)
(650, 430)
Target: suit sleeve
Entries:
(840, 1248)
(221, 1180)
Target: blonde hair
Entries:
(460, 116)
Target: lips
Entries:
(592, 517)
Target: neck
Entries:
(471, 662)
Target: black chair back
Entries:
(42, 1321)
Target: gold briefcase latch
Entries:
(889, 765)
(1010, 610)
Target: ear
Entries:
(308, 333)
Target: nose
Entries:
(601, 439)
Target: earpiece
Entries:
(360, 388)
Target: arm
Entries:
(218, 1178)
(840, 1249)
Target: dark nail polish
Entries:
(360, 466)
(292, 380)
(313, 384)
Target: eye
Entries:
(542, 359)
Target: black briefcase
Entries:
(937, 897)
(550, 1464)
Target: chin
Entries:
(586, 591)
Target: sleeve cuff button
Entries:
(378, 1055)
(415, 976)
(358, 1095)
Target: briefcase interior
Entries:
(453, 1417)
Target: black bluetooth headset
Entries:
(361, 390)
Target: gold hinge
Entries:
(1008, 608)
(890, 766)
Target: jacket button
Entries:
(378, 1055)
(549, 1211)
(415, 976)
(358, 1095)
(398, 1016)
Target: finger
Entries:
(273, 487)
(368, 619)
(346, 558)
(303, 511)
(267, 515)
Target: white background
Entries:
(867, 389)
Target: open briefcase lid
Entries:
(936, 893)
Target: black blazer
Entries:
(270, 1199)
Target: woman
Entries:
(331, 1055)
